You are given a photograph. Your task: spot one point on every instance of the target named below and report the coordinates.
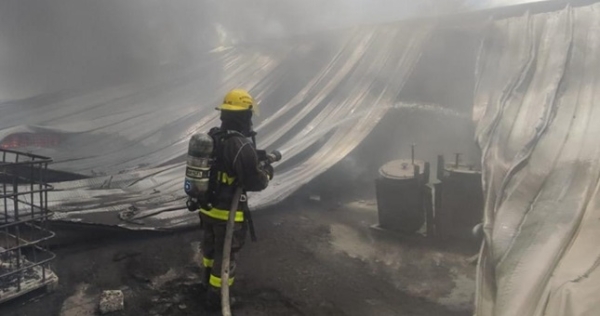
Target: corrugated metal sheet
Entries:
(320, 98)
(538, 118)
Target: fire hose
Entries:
(196, 185)
(225, 266)
(198, 176)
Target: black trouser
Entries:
(212, 247)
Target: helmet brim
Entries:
(229, 107)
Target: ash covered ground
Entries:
(312, 258)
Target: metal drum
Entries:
(400, 195)
(461, 202)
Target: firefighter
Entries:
(236, 163)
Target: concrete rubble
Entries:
(111, 301)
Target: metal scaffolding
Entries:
(24, 214)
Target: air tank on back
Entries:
(199, 162)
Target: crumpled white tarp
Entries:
(320, 96)
(539, 126)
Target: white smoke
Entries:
(50, 46)
(478, 4)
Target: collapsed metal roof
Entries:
(319, 99)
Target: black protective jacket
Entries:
(237, 164)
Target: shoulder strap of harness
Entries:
(219, 136)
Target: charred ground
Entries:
(312, 258)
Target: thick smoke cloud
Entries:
(478, 4)
(273, 18)
(49, 46)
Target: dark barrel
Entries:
(461, 205)
(400, 195)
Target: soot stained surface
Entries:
(311, 259)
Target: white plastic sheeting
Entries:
(321, 97)
(538, 127)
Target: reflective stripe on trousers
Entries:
(223, 214)
(216, 281)
(207, 263)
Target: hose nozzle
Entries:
(274, 156)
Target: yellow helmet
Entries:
(237, 100)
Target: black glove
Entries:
(192, 205)
(268, 169)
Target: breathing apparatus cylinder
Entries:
(197, 172)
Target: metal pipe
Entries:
(457, 160)
(417, 173)
(428, 202)
(440, 167)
